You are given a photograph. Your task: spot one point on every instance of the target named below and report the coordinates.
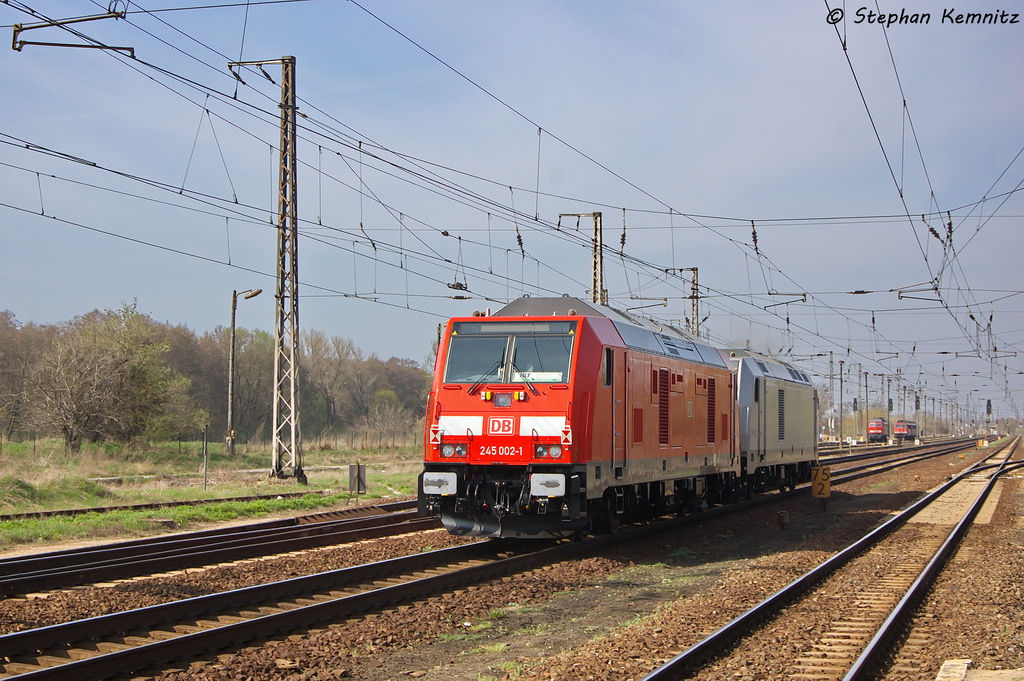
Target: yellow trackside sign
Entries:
(821, 482)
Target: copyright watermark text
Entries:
(865, 15)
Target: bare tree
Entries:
(387, 418)
(74, 389)
(323, 363)
(104, 375)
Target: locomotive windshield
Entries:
(510, 352)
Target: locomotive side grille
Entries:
(782, 415)
(711, 410)
(663, 406)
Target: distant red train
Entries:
(554, 415)
(904, 430)
(878, 430)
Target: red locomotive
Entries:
(904, 430)
(878, 430)
(554, 414)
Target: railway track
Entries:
(136, 640)
(125, 560)
(139, 639)
(868, 591)
(87, 565)
(123, 643)
(871, 467)
(875, 451)
(147, 507)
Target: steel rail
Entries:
(147, 507)
(29, 643)
(867, 469)
(92, 564)
(236, 550)
(704, 650)
(888, 632)
(139, 547)
(21, 642)
(118, 563)
(153, 545)
(33, 641)
(884, 451)
(826, 446)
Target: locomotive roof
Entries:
(770, 366)
(636, 332)
(559, 307)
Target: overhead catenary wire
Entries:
(515, 219)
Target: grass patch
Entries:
(114, 523)
(491, 648)
(69, 491)
(635, 619)
(683, 552)
(535, 629)
(40, 476)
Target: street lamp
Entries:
(230, 440)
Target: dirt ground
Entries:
(607, 616)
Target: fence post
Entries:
(206, 430)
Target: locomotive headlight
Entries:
(460, 450)
(448, 450)
(540, 451)
(555, 451)
(502, 400)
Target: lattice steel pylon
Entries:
(598, 293)
(286, 448)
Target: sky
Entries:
(845, 186)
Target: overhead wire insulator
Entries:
(368, 238)
(464, 284)
(753, 236)
(515, 221)
(622, 239)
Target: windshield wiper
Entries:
(473, 389)
(525, 379)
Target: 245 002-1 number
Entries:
(494, 450)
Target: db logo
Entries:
(500, 425)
